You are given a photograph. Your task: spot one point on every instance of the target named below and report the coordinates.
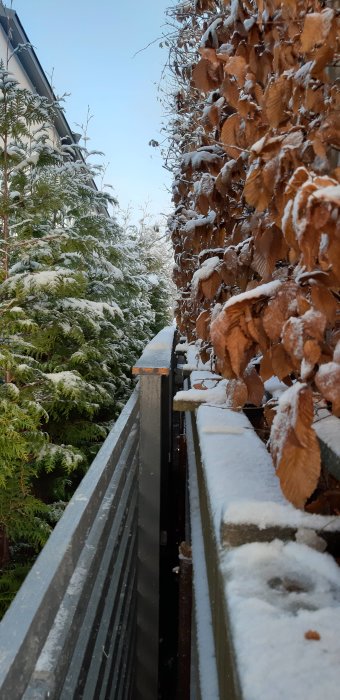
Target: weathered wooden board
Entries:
(157, 356)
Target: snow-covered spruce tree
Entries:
(155, 260)
(61, 329)
(21, 410)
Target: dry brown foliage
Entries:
(258, 188)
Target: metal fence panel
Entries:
(68, 613)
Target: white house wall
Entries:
(15, 67)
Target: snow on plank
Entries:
(245, 501)
(156, 358)
(206, 388)
(193, 358)
(283, 605)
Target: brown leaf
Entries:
(269, 412)
(210, 286)
(254, 385)
(224, 367)
(209, 55)
(316, 28)
(292, 338)
(236, 65)
(297, 330)
(281, 362)
(311, 351)
(205, 76)
(279, 309)
(314, 100)
(255, 330)
(202, 325)
(237, 344)
(266, 367)
(312, 635)
(226, 333)
(276, 100)
(218, 334)
(230, 91)
(333, 255)
(237, 393)
(229, 135)
(314, 324)
(294, 445)
(299, 177)
(269, 247)
(273, 321)
(299, 469)
(255, 192)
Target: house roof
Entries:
(13, 28)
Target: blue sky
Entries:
(90, 48)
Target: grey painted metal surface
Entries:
(70, 632)
(203, 655)
(155, 370)
(327, 428)
(149, 538)
(216, 655)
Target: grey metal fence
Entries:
(155, 372)
(85, 623)
(70, 632)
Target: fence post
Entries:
(154, 369)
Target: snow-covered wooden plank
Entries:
(282, 603)
(243, 492)
(157, 356)
(206, 388)
(193, 363)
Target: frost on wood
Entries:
(255, 230)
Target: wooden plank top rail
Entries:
(157, 356)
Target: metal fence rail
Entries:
(155, 371)
(71, 630)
